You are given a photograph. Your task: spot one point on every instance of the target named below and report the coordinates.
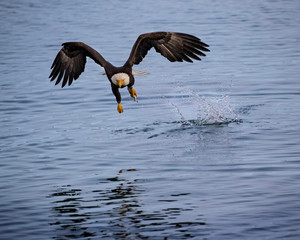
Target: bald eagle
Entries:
(71, 59)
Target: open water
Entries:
(210, 151)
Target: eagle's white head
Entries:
(120, 79)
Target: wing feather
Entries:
(195, 50)
(61, 73)
(166, 50)
(172, 45)
(70, 62)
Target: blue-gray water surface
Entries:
(210, 151)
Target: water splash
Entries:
(204, 110)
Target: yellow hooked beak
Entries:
(120, 82)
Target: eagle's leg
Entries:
(116, 92)
(132, 93)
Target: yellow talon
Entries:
(133, 94)
(120, 108)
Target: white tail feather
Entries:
(139, 73)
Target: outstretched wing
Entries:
(70, 62)
(172, 45)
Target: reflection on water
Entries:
(116, 212)
(67, 213)
(78, 217)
